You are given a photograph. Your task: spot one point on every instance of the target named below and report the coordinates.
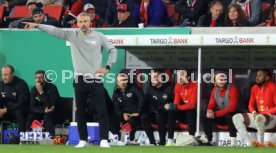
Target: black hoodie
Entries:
(14, 95)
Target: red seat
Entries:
(265, 9)
(154, 126)
(20, 12)
(2, 10)
(183, 126)
(222, 127)
(54, 11)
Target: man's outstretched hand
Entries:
(30, 25)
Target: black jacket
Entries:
(49, 21)
(14, 95)
(243, 23)
(126, 24)
(192, 13)
(132, 100)
(158, 97)
(205, 21)
(49, 98)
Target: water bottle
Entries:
(22, 136)
(115, 138)
(127, 139)
(30, 136)
(142, 139)
(46, 135)
(38, 135)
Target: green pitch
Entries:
(127, 149)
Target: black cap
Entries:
(37, 10)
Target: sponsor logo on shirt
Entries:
(154, 97)
(120, 100)
(165, 96)
(129, 95)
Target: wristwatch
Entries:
(107, 67)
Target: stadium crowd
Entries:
(130, 13)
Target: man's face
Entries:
(39, 78)
(155, 76)
(92, 14)
(182, 77)
(221, 80)
(122, 16)
(216, 11)
(261, 77)
(122, 81)
(7, 75)
(84, 23)
(39, 18)
(31, 8)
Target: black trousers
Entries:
(189, 117)
(20, 115)
(165, 122)
(209, 123)
(48, 122)
(135, 123)
(94, 90)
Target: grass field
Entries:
(127, 149)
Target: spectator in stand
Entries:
(38, 17)
(190, 11)
(9, 4)
(96, 21)
(51, 2)
(235, 17)
(214, 18)
(152, 13)
(31, 4)
(252, 10)
(272, 17)
(124, 18)
(75, 7)
(111, 11)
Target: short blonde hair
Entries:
(83, 14)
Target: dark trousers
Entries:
(135, 123)
(20, 116)
(209, 123)
(189, 117)
(95, 91)
(162, 119)
(48, 122)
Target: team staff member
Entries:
(14, 97)
(158, 95)
(44, 96)
(222, 106)
(86, 50)
(262, 117)
(129, 103)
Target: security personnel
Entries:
(129, 103)
(158, 95)
(14, 97)
(44, 97)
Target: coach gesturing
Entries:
(86, 50)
